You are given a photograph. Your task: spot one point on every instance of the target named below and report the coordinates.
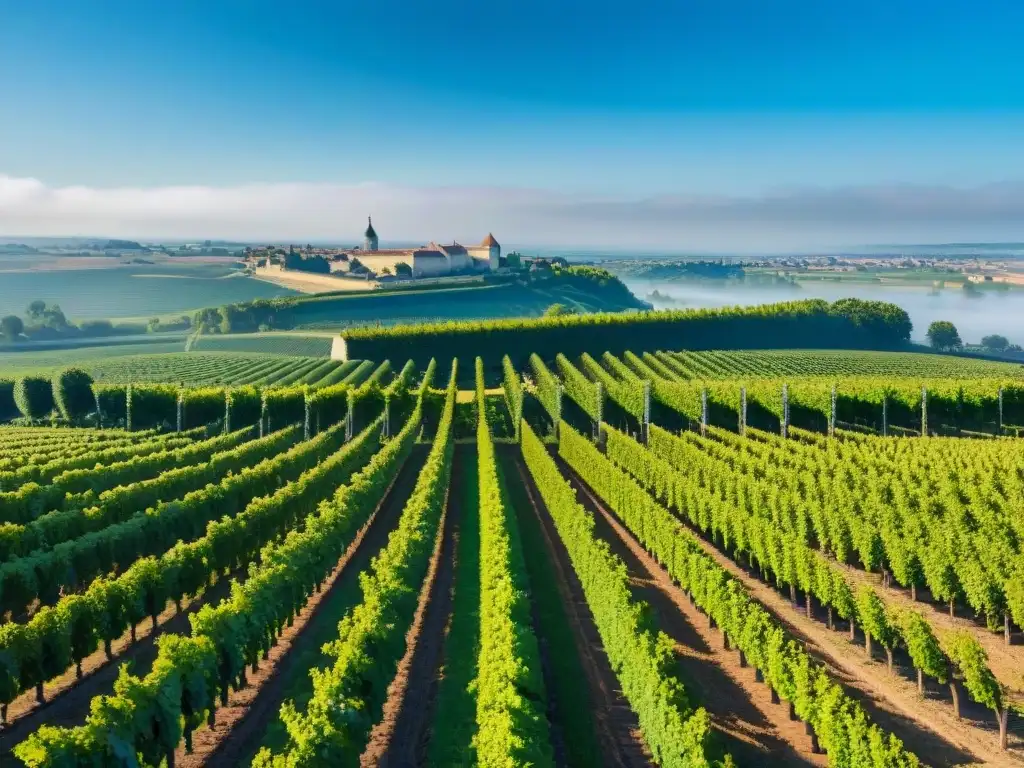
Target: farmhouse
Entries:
(430, 260)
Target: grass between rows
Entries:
(454, 723)
(573, 711)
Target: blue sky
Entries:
(728, 103)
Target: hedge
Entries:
(72, 393)
(8, 408)
(848, 323)
(34, 397)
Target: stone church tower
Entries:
(493, 251)
(369, 236)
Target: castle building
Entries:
(430, 260)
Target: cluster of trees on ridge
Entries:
(944, 336)
(42, 321)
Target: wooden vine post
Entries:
(349, 417)
(832, 413)
(1000, 410)
(924, 411)
(647, 412)
(785, 410)
(558, 408)
(743, 411)
(128, 408)
(704, 411)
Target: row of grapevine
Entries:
(150, 716)
(780, 363)
(914, 403)
(85, 513)
(203, 368)
(939, 513)
(512, 386)
(587, 394)
(547, 388)
(777, 544)
(77, 489)
(627, 394)
(17, 456)
(27, 438)
(510, 715)
(142, 405)
(45, 473)
(71, 565)
(371, 638)
(93, 481)
(675, 730)
(839, 724)
(38, 650)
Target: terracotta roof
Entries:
(490, 242)
(456, 248)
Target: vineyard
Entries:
(302, 345)
(578, 558)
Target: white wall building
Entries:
(430, 260)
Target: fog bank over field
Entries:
(769, 220)
(995, 312)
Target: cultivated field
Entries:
(169, 286)
(605, 559)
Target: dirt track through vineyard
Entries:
(942, 743)
(398, 740)
(236, 736)
(618, 731)
(751, 728)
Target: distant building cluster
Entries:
(371, 261)
(430, 260)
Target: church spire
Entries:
(370, 236)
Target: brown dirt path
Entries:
(752, 729)
(926, 726)
(618, 731)
(397, 740)
(1005, 661)
(235, 737)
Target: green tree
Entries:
(11, 327)
(53, 317)
(923, 647)
(557, 310)
(874, 622)
(995, 342)
(72, 393)
(34, 397)
(971, 663)
(943, 335)
(403, 270)
(35, 310)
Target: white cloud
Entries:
(780, 219)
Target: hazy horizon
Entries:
(734, 128)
